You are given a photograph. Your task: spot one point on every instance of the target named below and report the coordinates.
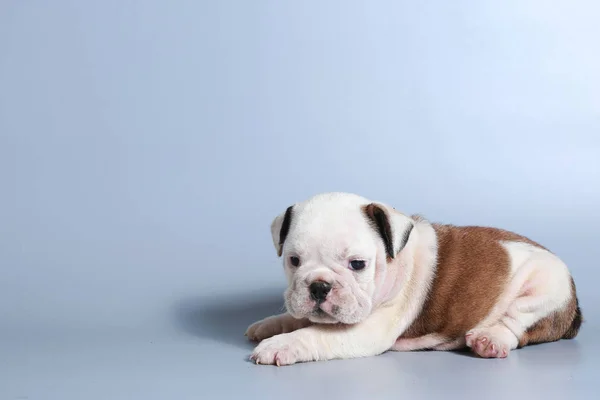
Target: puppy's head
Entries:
(336, 248)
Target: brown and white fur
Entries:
(423, 286)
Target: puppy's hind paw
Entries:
(494, 342)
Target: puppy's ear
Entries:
(393, 227)
(280, 228)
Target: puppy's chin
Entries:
(309, 310)
(321, 317)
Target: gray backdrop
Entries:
(145, 147)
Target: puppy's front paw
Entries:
(280, 350)
(274, 325)
(264, 329)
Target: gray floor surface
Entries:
(205, 356)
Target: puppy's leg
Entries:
(497, 340)
(419, 343)
(275, 325)
(455, 344)
(371, 337)
(428, 342)
(545, 307)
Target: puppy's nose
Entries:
(319, 291)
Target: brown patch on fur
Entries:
(472, 272)
(562, 324)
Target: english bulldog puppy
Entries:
(364, 279)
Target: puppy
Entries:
(364, 279)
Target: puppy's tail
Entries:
(577, 317)
(575, 325)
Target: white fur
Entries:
(367, 311)
(376, 305)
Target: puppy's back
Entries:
(473, 270)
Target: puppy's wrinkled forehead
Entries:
(330, 223)
(341, 222)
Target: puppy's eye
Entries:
(295, 261)
(357, 265)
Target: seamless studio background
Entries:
(145, 147)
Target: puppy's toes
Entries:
(279, 350)
(494, 342)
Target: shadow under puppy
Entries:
(364, 278)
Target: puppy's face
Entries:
(335, 249)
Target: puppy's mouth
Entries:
(319, 315)
(318, 311)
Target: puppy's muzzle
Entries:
(319, 291)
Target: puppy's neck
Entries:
(408, 277)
